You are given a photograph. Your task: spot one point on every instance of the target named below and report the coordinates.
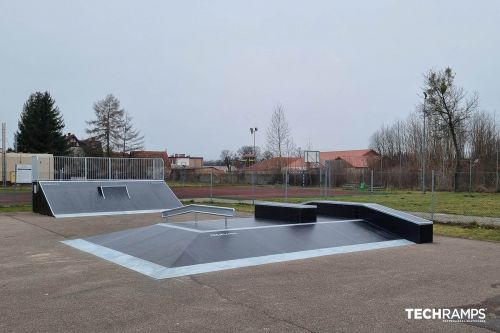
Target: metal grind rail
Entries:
(200, 209)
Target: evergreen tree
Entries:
(108, 124)
(40, 129)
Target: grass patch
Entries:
(472, 204)
(468, 231)
(15, 208)
(10, 189)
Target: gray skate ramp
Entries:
(93, 198)
(167, 250)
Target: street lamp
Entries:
(253, 131)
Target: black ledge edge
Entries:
(39, 202)
(410, 227)
(294, 213)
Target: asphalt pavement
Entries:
(46, 286)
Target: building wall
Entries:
(180, 162)
(196, 162)
(45, 168)
(186, 162)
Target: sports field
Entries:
(459, 203)
(247, 192)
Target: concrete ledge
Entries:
(408, 226)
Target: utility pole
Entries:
(423, 147)
(497, 141)
(496, 173)
(4, 156)
(400, 159)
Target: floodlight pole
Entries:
(253, 130)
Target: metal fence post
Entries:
(320, 181)
(433, 197)
(496, 170)
(253, 187)
(371, 181)
(211, 184)
(327, 172)
(109, 168)
(85, 161)
(286, 183)
(470, 174)
(332, 176)
(4, 155)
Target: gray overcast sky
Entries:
(196, 75)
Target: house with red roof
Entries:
(277, 163)
(347, 159)
(352, 159)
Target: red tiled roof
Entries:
(274, 163)
(148, 154)
(356, 158)
(151, 154)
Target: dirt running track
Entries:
(15, 198)
(191, 192)
(246, 192)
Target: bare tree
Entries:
(483, 137)
(130, 138)
(108, 123)
(452, 108)
(279, 139)
(227, 158)
(267, 155)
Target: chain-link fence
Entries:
(474, 200)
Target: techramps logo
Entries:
(447, 315)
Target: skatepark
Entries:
(303, 267)
(278, 231)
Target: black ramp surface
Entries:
(172, 247)
(86, 198)
(408, 226)
(240, 223)
(153, 243)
